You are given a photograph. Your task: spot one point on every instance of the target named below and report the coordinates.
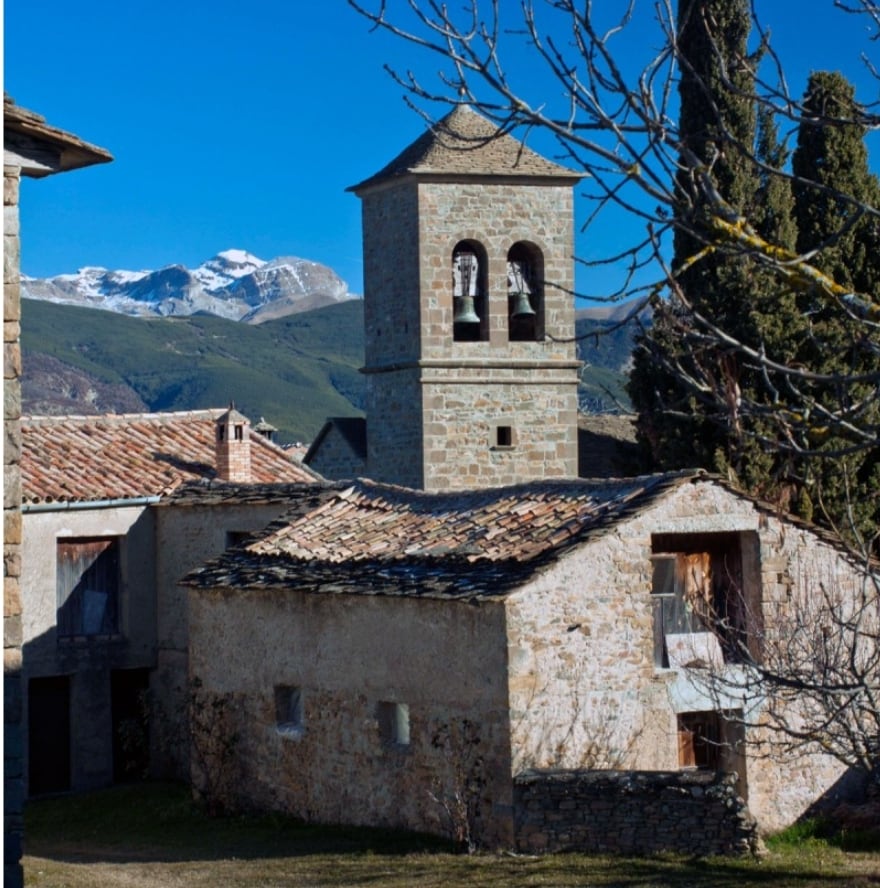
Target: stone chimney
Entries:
(266, 429)
(232, 446)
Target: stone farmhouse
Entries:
(115, 510)
(427, 649)
(387, 648)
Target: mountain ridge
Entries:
(234, 284)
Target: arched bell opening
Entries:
(470, 318)
(525, 298)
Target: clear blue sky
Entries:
(240, 124)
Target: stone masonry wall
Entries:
(471, 388)
(584, 690)
(688, 812)
(394, 428)
(346, 655)
(335, 458)
(13, 791)
(496, 215)
(463, 410)
(392, 312)
(186, 536)
(433, 403)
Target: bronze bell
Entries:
(464, 311)
(521, 306)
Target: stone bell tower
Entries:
(469, 314)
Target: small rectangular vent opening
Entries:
(504, 436)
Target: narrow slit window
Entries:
(393, 721)
(289, 710)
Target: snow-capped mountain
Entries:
(233, 284)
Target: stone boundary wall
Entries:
(632, 812)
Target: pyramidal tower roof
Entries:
(464, 144)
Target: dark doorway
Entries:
(131, 733)
(49, 734)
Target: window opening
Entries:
(698, 599)
(87, 583)
(393, 721)
(289, 710)
(700, 740)
(470, 316)
(504, 436)
(523, 293)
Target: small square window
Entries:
(393, 721)
(289, 710)
(504, 436)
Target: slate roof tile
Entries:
(369, 538)
(74, 152)
(125, 456)
(466, 144)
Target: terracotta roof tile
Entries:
(91, 458)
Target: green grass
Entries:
(819, 832)
(152, 835)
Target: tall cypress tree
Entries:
(833, 183)
(686, 388)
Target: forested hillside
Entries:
(295, 371)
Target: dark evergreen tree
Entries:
(687, 388)
(833, 185)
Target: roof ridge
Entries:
(161, 416)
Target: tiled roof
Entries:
(128, 456)
(296, 495)
(379, 539)
(464, 143)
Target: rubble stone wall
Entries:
(347, 657)
(336, 459)
(689, 812)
